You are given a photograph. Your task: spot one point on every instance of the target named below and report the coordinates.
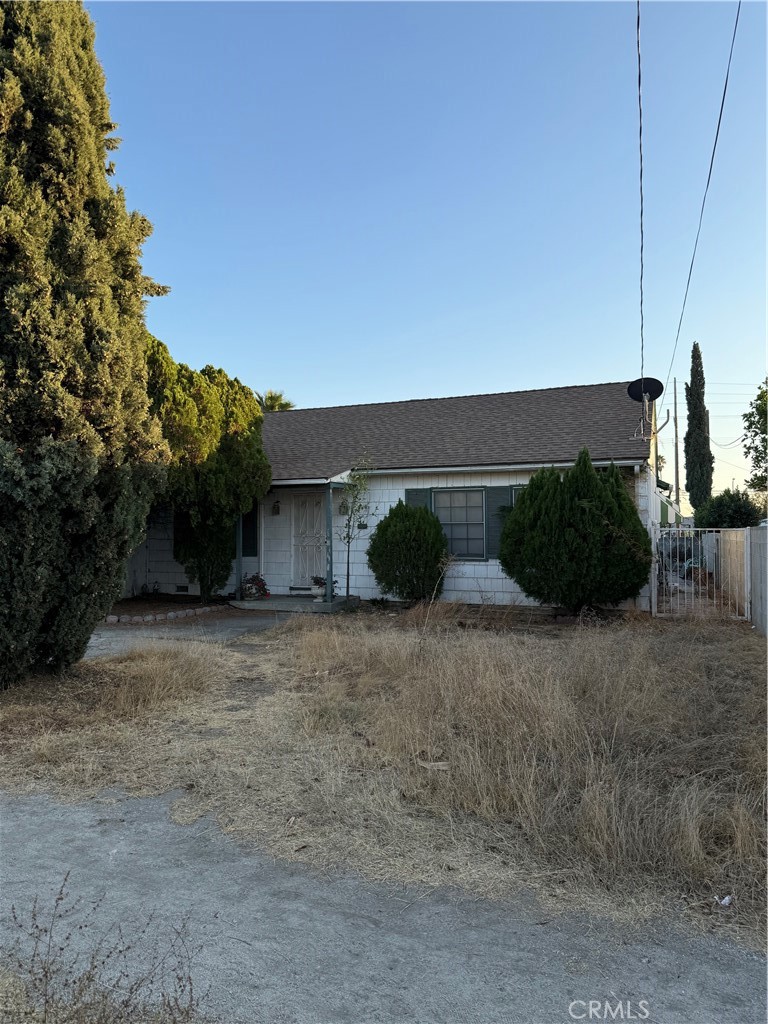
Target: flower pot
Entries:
(318, 593)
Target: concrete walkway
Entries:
(283, 945)
(221, 627)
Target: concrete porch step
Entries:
(300, 605)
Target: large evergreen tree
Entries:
(218, 467)
(756, 438)
(79, 450)
(575, 540)
(698, 454)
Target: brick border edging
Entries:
(182, 613)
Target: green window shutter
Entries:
(496, 498)
(418, 497)
(251, 533)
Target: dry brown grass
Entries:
(107, 690)
(629, 752)
(621, 766)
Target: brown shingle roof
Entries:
(511, 428)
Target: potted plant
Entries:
(319, 587)
(254, 587)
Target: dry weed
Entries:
(106, 690)
(48, 977)
(620, 752)
(622, 765)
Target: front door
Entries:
(308, 538)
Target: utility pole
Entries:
(677, 466)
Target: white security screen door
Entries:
(308, 538)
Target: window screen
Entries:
(462, 515)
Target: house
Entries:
(463, 457)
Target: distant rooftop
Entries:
(509, 428)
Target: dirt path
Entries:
(283, 945)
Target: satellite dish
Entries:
(645, 386)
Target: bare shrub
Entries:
(48, 978)
(617, 751)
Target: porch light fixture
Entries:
(275, 508)
(343, 507)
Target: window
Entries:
(462, 514)
(251, 533)
(514, 492)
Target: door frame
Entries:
(295, 497)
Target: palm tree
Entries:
(273, 401)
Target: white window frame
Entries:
(451, 490)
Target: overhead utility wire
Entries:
(706, 190)
(731, 444)
(640, 112)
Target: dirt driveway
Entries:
(281, 944)
(220, 627)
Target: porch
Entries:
(298, 604)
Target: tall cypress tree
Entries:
(79, 449)
(698, 454)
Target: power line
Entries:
(726, 463)
(731, 444)
(640, 113)
(706, 190)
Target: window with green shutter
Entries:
(472, 517)
(462, 514)
(498, 501)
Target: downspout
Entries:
(329, 545)
(239, 558)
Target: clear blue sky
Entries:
(362, 202)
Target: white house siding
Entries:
(152, 567)
(276, 541)
(649, 509)
(472, 582)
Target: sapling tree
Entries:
(355, 510)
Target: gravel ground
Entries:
(217, 626)
(281, 944)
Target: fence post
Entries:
(654, 582)
(748, 574)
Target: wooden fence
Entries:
(757, 545)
